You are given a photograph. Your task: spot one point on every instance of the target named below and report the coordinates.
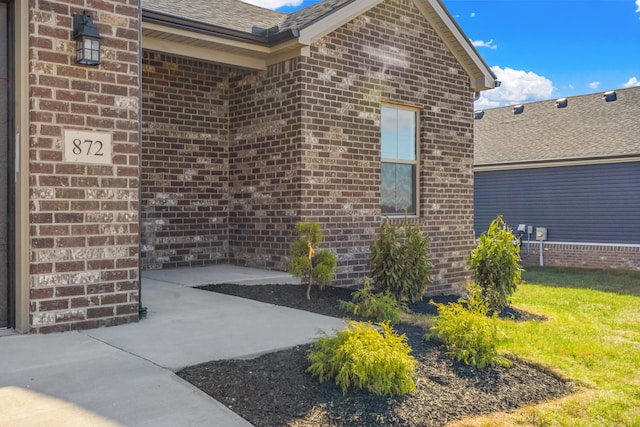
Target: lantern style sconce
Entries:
(87, 39)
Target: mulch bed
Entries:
(275, 390)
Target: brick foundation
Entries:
(583, 255)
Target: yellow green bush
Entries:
(469, 334)
(361, 356)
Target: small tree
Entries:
(381, 306)
(496, 264)
(400, 261)
(310, 265)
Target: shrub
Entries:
(468, 333)
(378, 306)
(400, 261)
(495, 262)
(310, 265)
(361, 356)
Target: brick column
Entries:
(83, 217)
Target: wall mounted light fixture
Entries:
(87, 39)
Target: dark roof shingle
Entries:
(240, 16)
(588, 127)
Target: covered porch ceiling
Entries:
(178, 36)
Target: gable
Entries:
(240, 34)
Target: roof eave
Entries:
(179, 22)
(331, 21)
(547, 163)
(182, 36)
(481, 76)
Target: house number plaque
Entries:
(87, 147)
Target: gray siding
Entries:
(587, 203)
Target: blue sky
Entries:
(544, 49)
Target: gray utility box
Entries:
(541, 233)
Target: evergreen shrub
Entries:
(400, 261)
(377, 306)
(495, 262)
(361, 356)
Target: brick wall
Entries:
(390, 54)
(583, 255)
(265, 164)
(84, 217)
(185, 162)
(304, 144)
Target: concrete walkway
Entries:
(124, 375)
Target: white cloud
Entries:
(489, 44)
(517, 86)
(633, 82)
(275, 4)
(594, 85)
(473, 14)
(638, 4)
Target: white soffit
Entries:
(217, 49)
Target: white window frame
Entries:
(415, 163)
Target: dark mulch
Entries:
(275, 390)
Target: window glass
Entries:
(398, 152)
(406, 135)
(389, 124)
(398, 189)
(398, 134)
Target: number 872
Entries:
(93, 148)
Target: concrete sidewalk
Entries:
(124, 375)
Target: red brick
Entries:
(81, 302)
(51, 305)
(96, 312)
(67, 291)
(62, 327)
(69, 266)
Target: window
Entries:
(399, 161)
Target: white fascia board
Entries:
(481, 76)
(335, 20)
(236, 44)
(216, 49)
(540, 164)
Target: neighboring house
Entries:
(227, 124)
(570, 165)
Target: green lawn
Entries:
(592, 337)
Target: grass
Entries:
(592, 337)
